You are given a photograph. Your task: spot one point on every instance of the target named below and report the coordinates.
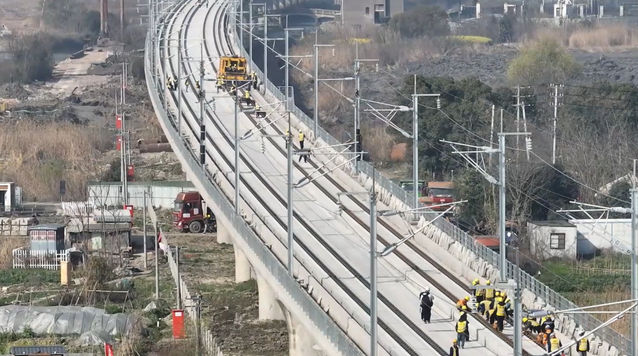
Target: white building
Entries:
(578, 238)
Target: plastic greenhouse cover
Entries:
(63, 320)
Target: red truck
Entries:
(189, 213)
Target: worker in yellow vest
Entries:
(454, 350)
(489, 293)
(287, 137)
(582, 345)
(461, 330)
(500, 315)
(554, 344)
(302, 138)
(220, 82)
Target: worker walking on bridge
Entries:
(583, 344)
(461, 330)
(500, 315)
(427, 301)
(454, 350)
(302, 138)
(253, 79)
(554, 344)
(489, 293)
(220, 82)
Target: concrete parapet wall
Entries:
(15, 226)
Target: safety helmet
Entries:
(464, 307)
(454, 341)
(427, 289)
(476, 281)
(497, 293)
(488, 282)
(467, 298)
(525, 320)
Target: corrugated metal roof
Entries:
(50, 226)
(28, 350)
(160, 183)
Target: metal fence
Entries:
(542, 291)
(23, 257)
(161, 194)
(291, 293)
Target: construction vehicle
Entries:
(189, 213)
(233, 70)
(438, 193)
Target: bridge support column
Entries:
(242, 267)
(269, 307)
(223, 236)
(301, 342)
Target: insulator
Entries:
(528, 143)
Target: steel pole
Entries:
(241, 24)
(287, 71)
(554, 126)
(178, 281)
(357, 108)
(501, 210)
(290, 204)
(634, 271)
(144, 223)
(316, 110)
(236, 156)
(250, 29)
(518, 311)
(179, 85)
(265, 79)
(373, 269)
(157, 293)
(202, 124)
(415, 149)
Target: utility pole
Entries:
(555, 121)
(237, 182)
(518, 115)
(250, 29)
(634, 261)
(518, 311)
(202, 114)
(265, 79)
(157, 292)
(241, 24)
(144, 223)
(179, 85)
(489, 162)
(122, 20)
(178, 280)
(373, 268)
(291, 235)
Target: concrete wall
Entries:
(606, 234)
(162, 194)
(361, 12)
(540, 236)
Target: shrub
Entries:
(545, 61)
(422, 21)
(32, 57)
(472, 39)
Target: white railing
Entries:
(26, 258)
(326, 12)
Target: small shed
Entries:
(101, 236)
(37, 350)
(554, 238)
(47, 237)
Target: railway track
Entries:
(436, 349)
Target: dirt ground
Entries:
(231, 309)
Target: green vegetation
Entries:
(28, 276)
(544, 62)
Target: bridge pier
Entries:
(243, 270)
(223, 236)
(301, 342)
(269, 306)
